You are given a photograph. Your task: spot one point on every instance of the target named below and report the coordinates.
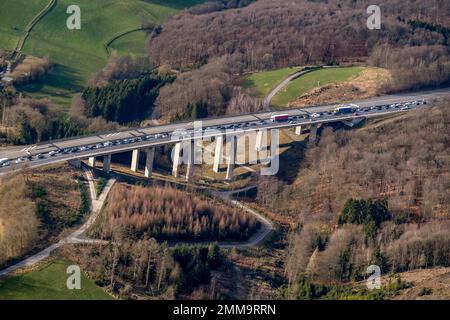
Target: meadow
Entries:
(311, 80)
(48, 282)
(263, 82)
(78, 54)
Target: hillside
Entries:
(370, 82)
(28, 286)
(15, 16)
(214, 51)
(285, 33)
(79, 53)
(305, 83)
(265, 81)
(378, 195)
(36, 207)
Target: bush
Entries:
(100, 184)
(369, 213)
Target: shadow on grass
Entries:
(177, 4)
(61, 81)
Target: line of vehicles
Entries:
(352, 109)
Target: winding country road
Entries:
(284, 83)
(76, 236)
(266, 225)
(97, 203)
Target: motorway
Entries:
(113, 142)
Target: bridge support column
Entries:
(107, 163)
(313, 133)
(150, 153)
(231, 157)
(298, 130)
(218, 154)
(135, 160)
(176, 159)
(241, 149)
(91, 162)
(190, 159)
(260, 139)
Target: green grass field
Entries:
(79, 53)
(15, 15)
(264, 82)
(307, 82)
(49, 283)
(131, 43)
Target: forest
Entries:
(195, 64)
(212, 50)
(123, 101)
(144, 268)
(32, 211)
(166, 213)
(378, 195)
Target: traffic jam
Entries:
(351, 110)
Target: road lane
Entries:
(44, 148)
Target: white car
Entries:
(405, 107)
(316, 115)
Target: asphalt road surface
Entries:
(160, 135)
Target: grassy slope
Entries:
(49, 283)
(264, 82)
(80, 53)
(307, 82)
(15, 15)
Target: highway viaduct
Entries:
(225, 132)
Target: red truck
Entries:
(279, 118)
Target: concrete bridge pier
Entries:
(218, 154)
(298, 130)
(75, 163)
(260, 135)
(313, 133)
(176, 159)
(135, 160)
(91, 161)
(241, 149)
(231, 157)
(150, 156)
(107, 163)
(190, 160)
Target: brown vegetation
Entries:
(31, 69)
(170, 214)
(120, 68)
(19, 222)
(371, 82)
(404, 160)
(35, 207)
(270, 34)
(267, 34)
